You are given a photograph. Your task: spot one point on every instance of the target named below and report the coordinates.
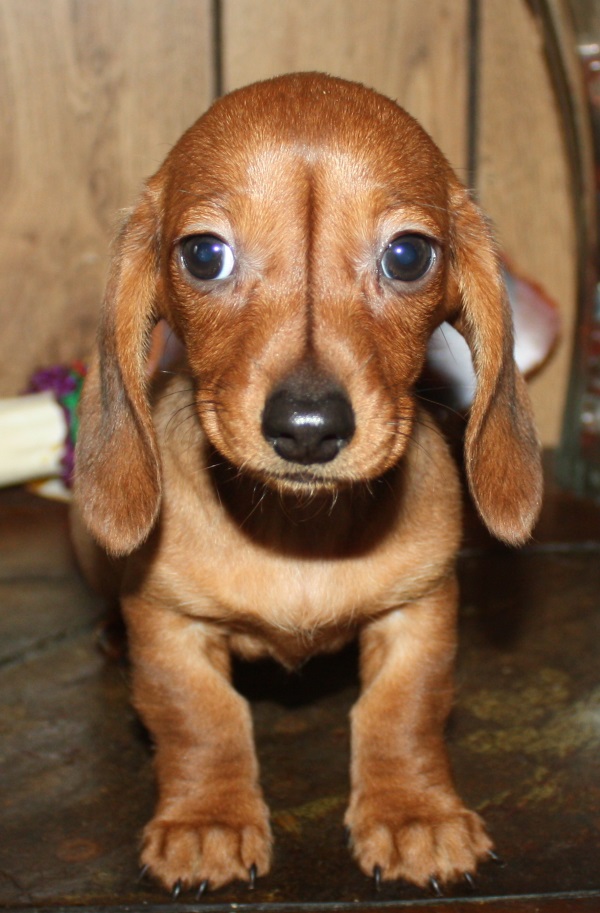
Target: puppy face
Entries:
(303, 239)
(305, 266)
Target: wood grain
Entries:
(94, 93)
(524, 181)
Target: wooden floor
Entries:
(75, 765)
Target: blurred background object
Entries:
(578, 457)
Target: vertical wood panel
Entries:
(94, 93)
(524, 181)
(412, 51)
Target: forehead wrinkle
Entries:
(277, 182)
(203, 216)
(257, 171)
(261, 196)
(420, 207)
(413, 216)
(311, 252)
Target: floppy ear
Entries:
(117, 471)
(502, 454)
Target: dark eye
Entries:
(206, 257)
(407, 258)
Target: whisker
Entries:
(450, 409)
(256, 506)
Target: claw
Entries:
(470, 881)
(143, 872)
(496, 859)
(377, 875)
(202, 889)
(252, 880)
(177, 888)
(347, 836)
(435, 887)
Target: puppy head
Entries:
(303, 239)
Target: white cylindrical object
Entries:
(33, 433)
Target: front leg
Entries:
(405, 818)
(210, 825)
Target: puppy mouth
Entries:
(305, 479)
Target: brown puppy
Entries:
(285, 492)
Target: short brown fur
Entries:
(223, 545)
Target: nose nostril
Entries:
(308, 430)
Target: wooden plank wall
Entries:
(94, 92)
(523, 180)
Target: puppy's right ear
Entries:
(117, 470)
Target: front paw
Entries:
(428, 841)
(207, 849)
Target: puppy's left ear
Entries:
(502, 453)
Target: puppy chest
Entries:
(306, 577)
(289, 614)
(297, 597)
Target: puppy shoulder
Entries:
(432, 479)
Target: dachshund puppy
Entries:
(284, 491)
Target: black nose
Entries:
(308, 426)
